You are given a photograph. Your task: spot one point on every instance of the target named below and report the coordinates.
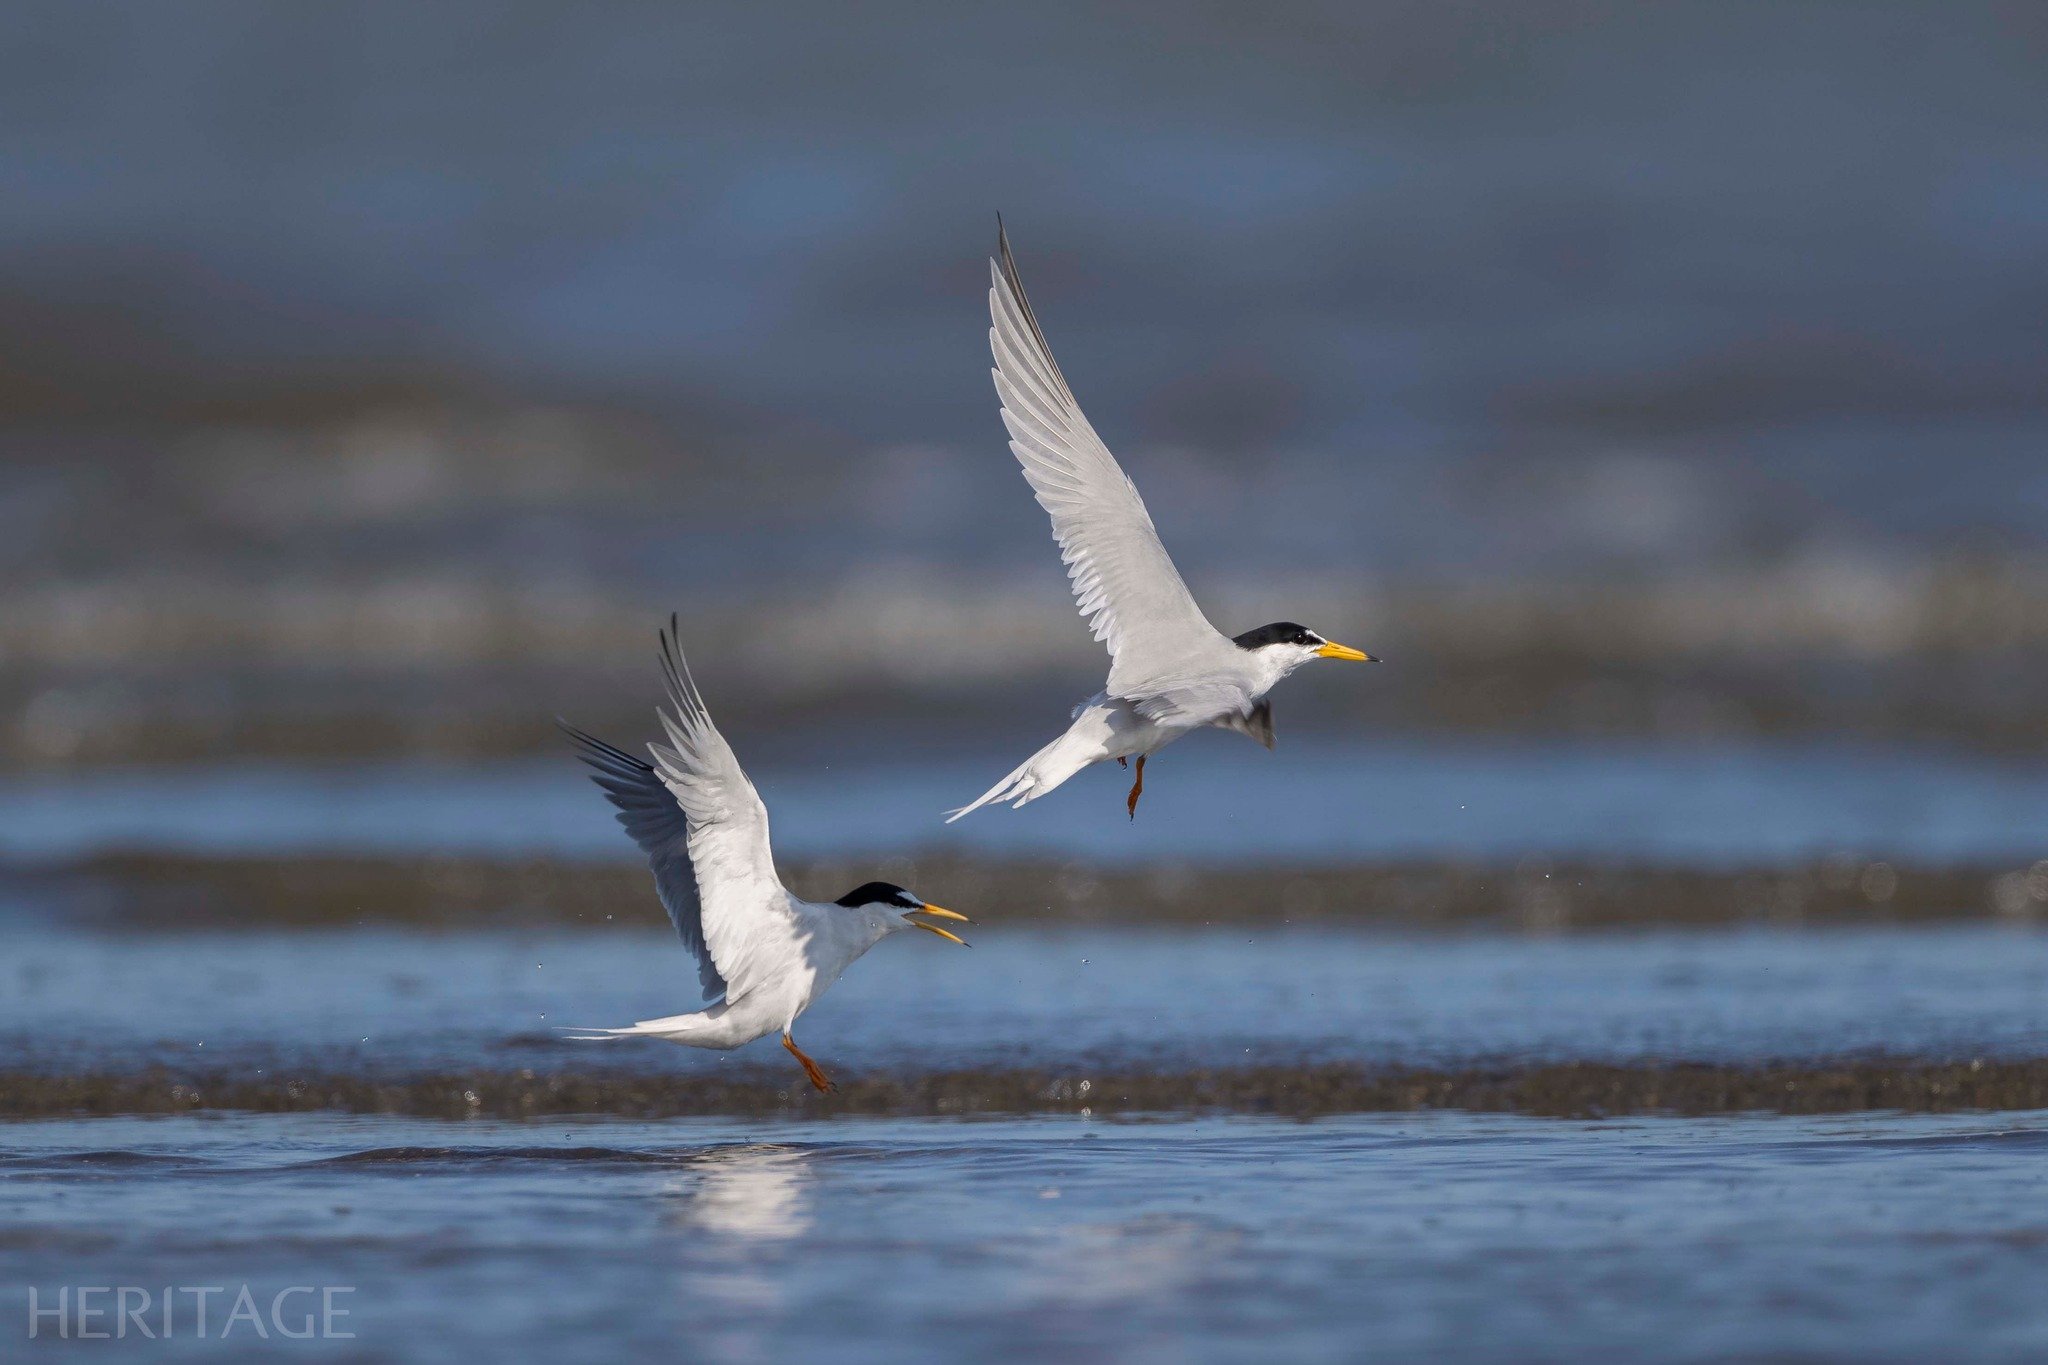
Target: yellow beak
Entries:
(943, 913)
(1332, 650)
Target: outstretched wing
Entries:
(649, 812)
(741, 909)
(746, 913)
(1124, 581)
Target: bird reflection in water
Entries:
(739, 1210)
(757, 1194)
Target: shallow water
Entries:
(1211, 798)
(1435, 1237)
(396, 1002)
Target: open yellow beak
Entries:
(940, 912)
(1331, 650)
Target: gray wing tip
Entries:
(675, 671)
(1005, 265)
(1004, 261)
(596, 752)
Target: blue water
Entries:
(394, 1001)
(1773, 266)
(1211, 797)
(1425, 1237)
(1414, 1238)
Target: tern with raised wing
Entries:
(764, 955)
(1170, 671)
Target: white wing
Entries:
(747, 922)
(649, 812)
(1124, 581)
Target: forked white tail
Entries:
(1039, 774)
(675, 1026)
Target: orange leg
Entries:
(818, 1078)
(1137, 789)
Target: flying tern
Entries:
(764, 955)
(1170, 671)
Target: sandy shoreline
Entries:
(1579, 1090)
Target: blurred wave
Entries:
(373, 382)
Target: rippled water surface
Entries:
(376, 1001)
(1437, 1237)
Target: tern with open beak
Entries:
(1170, 671)
(764, 955)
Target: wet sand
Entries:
(1578, 1090)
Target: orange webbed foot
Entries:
(811, 1069)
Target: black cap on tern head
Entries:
(1279, 633)
(879, 893)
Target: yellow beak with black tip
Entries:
(940, 912)
(1332, 650)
